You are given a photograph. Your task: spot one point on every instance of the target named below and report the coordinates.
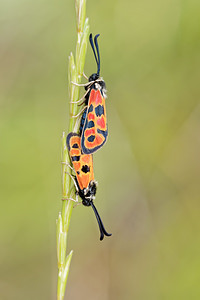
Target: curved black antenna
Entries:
(102, 226)
(97, 48)
(92, 45)
(100, 223)
(98, 54)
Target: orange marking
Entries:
(75, 152)
(92, 175)
(77, 165)
(74, 139)
(98, 141)
(86, 158)
(84, 181)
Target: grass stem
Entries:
(75, 72)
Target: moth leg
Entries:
(74, 181)
(80, 112)
(77, 124)
(71, 199)
(68, 165)
(81, 99)
(78, 202)
(85, 76)
(82, 84)
(65, 163)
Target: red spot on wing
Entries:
(91, 116)
(98, 99)
(95, 97)
(89, 132)
(101, 122)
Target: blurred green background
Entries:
(148, 172)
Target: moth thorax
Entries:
(93, 77)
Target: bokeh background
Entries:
(148, 172)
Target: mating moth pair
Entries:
(92, 136)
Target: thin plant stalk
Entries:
(75, 72)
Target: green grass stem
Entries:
(75, 72)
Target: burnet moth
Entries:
(93, 125)
(84, 181)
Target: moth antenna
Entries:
(98, 220)
(92, 45)
(100, 223)
(102, 226)
(98, 54)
